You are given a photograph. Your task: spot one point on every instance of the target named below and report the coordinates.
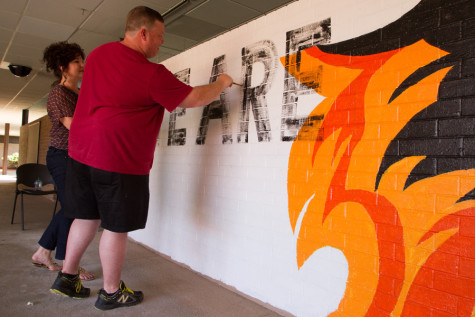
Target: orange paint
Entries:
(393, 237)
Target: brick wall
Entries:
(340, 178)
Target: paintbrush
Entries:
(237, 84)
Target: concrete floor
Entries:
(169, 289)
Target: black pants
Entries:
(56, 234)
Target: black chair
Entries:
(26, 175)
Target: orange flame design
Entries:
(389, 234)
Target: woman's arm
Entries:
(66, 121)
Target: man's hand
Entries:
(226, 79)
(204, 95)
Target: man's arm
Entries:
(204, 95)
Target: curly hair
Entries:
(59, 55)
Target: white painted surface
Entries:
(220, 208)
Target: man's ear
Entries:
(143, 34)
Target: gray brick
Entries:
(457, 127)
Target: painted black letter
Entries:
(178, 136)
(297, 40)
(261, 52)
(217, 109)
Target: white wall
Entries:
(222, 209)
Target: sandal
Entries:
(51, 266)
(85, 275)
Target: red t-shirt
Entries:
(120, 109)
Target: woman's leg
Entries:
(42, 258)
(56, 234)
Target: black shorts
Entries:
(120, 201)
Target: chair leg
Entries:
(22, 222)
(55, 205)
(14, 206)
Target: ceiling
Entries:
(28, 26)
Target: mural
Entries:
(384, 168)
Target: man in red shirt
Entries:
(111, 145)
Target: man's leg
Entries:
(81, 234)
(112, 250)
(130, 195)
(115, 294)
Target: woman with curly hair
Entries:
(66, 61)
